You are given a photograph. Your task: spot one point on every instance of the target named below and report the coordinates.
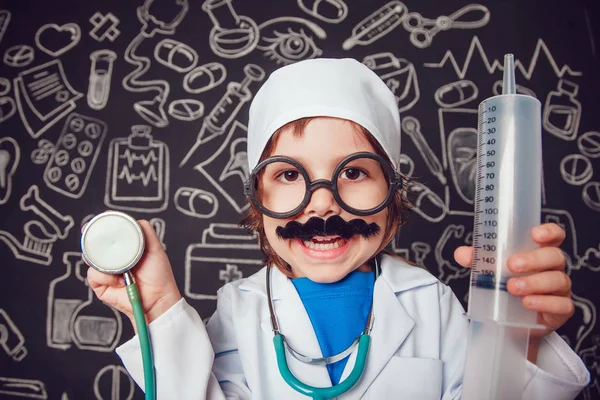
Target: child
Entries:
(323, 145)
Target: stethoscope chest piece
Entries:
(112, 242)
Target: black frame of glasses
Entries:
(395, 183)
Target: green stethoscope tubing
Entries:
(319, 393)
(144, 337)
(133, 295)
(322, 393)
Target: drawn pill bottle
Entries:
(65, 295)
(95, 325)
(138, 172)
(562, 111)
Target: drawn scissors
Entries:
(421, 36)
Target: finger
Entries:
(97, 279)
(541, 283)
(555, 305)
(464, 255)
(542, 259)
(548, 234)
(152, 242)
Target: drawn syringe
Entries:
(216, 122)
(412, 128)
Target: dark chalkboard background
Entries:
(69, 148)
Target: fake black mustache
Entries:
(334, 225)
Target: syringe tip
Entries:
(509, 85)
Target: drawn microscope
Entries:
(41, 234)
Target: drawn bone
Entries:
(60, 223)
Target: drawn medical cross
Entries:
(231, 274)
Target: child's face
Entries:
(324, 143)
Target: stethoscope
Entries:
(320, 393)
(113, 243)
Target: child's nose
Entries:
(322, 204)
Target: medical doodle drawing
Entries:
(143, 107)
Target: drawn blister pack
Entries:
(138, 172)
(75, 155)
(227, 253)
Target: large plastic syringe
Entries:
(507, 207)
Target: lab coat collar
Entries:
(391, 326)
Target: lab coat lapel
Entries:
(391, 327)
(295, 325)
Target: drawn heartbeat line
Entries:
(144, 176)
(144, 158)
(497, 65)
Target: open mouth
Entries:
(325, 243)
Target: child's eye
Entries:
(289, 176)
(353, 174)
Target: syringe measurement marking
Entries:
(484, 214)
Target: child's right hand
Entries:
(153, 276)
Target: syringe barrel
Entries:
(507, 203)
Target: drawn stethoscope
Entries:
(422, 30)
(151, 110)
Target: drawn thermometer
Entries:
(379, 23)
(507, 199)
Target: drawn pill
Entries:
(204, 77)
(427, 203)
(186, 109)
(46, 145)
(85, 148)
(456, 94)
(4, 86)
(589, 144)
(78, 165)
(333, 11)
(18, 56)
(576, 169)
(196, 202)
(61, 158)
(69, 141)
(591, 195)
(72, 182)
(175, 55)
(93, 130)
(113, 383)
(39, 156)
(76, 124)
(54, 174)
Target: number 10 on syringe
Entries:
(507, 199)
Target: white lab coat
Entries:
(418, 345)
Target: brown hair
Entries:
(397, 210)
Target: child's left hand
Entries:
(547, 289)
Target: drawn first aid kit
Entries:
(138, 172)
(227, 253)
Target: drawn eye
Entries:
(290, 47)
(286, 45)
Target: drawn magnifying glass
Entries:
(113, 243)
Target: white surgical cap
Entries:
(341, 88)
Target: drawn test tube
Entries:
(100, 76)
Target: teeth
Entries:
(324, 246)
